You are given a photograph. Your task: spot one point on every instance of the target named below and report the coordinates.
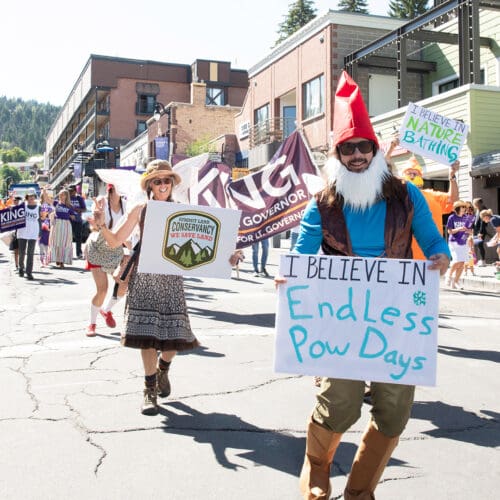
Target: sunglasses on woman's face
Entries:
(159, 182)
(348, 148)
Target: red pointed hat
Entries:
(350, 117)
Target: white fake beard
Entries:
(359, 190)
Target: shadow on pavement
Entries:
(273, 449)
(277, 450)
(266, 320)
(470, 353)
(202, 351)
(55, 281)
(453, 422)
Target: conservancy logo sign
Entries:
(191, 239)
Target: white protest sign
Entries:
(188, 240)
(432, 135)
(358, 318)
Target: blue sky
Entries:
(45, 44)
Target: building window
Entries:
(141, 127)
(261, 129)
(215, 96)
(261, 115)
(145, 104)
(454, 82)
(314, 97)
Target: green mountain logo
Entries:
(191, 239)
(189, 255)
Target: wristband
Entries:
(453, 178)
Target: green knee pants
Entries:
(339, 405)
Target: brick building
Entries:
(114, 98)
(295, 83)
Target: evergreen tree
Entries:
(25, 124)
(359, 6)
(299, 14)
(407, 9)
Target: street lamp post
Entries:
(78, 150)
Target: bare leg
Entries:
(168, 355)
(459, 270)
(101, 285)
(149, 360)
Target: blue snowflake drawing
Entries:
(419, 298)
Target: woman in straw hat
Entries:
(156, 316)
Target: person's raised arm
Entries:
(453, 190)
(122, 232)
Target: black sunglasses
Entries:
(348, 148)
(159, 182)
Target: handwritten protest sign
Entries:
(432, 135)
(188, 240)
(12, 218)
(358, 318)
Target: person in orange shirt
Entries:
(439, 202)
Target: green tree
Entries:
(407, 9)
(8, 175)
(299, 14)
(200, 146)
(359, 6)
(16, 154)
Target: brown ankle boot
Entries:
(321, 445)
(369, 463)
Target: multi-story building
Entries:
(114, 98)
(458, 42)
(447, 60)
(293, 86)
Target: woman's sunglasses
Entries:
(348, 148)
(159, 182)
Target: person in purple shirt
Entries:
(61, 235)
(46, 208)
(78, 204)
(459, 228)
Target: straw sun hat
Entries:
(158, 168)
(413, 165)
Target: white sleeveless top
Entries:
(32, 229)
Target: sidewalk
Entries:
(483, 279)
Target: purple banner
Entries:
(161, 148)
(12, 218)
(272, 200)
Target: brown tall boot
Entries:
(369, 463)
(321, 445)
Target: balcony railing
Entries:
(272, 130)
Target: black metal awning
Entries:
(465, 13)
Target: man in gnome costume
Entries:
(364, 210)
(440, 203)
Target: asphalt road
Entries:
(70, 425)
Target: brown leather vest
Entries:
(398, 219)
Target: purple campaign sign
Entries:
(12, 218)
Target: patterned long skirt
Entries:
(156, 314)
(61, 242)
